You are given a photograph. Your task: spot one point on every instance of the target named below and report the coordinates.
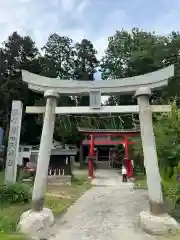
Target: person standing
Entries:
(124, 174)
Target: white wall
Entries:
(24, 152)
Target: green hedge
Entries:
(17, 193)
(171, 192)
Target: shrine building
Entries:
(99, 142)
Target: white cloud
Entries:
(168, 22)
(81, 7)
(31, 18)
(39, 18)
(68, 5)
(100, 45)
(80, 19)
(114, 21)
(77, 34)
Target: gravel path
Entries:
(107, 211)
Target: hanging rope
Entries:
(119, 122)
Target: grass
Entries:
(15, 236)
(2, 177)
(171, 236)
(140, 182)
(57, 199)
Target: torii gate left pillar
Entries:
(40, 182)
(39, 216)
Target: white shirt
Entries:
(124, 171)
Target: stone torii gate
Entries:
(155, 220)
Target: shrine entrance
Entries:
(140, 87)
(97, 138)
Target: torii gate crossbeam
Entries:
(102, 110)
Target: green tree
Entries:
(58, 62)
(65, 126)
(85, 65)
(167, 131)
(59, 56)
(17, 53)
(138, 52)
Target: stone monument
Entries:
(13, 142)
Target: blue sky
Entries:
(92, 19)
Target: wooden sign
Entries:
(95, 99)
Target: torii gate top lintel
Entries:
(153, 80)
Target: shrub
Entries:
(7, 224)
(171, 192)
(27, 175)
(16, 193)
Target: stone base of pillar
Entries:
(33, 223)
(157, 225)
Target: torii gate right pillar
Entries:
(155, 221)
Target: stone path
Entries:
(107, 211)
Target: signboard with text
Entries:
(13, 142)
(95, 99)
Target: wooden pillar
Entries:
(91, 156)
(130, 168)
(109, 138)
(126, 155)
(91, 153)
(127, 160)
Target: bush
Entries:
(17, 193)
(10, 215)
(7, 224)
(171, 192)
(27, 175)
